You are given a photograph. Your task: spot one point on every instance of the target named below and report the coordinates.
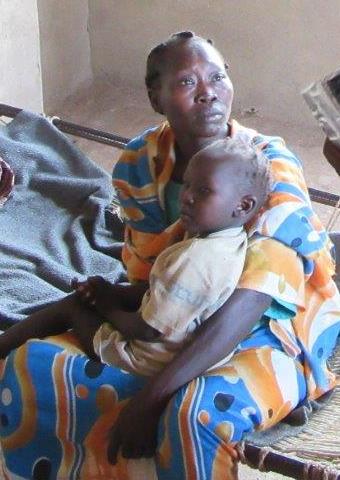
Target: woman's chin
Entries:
(212, 130)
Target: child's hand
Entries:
(98, 293)
(87, 290)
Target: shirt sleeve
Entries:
(276, 270)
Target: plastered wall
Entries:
(49, 48)
(65, 49)
(20, 76)
(274, 47)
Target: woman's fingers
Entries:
(134, 434)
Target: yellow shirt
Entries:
(189, 281)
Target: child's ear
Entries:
(246, 206)
(153, 94)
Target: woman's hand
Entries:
(135, 431)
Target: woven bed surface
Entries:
(319, 441)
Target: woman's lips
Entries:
(210, 115)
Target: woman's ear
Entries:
(153, 94)
(246, 206)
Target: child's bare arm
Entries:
(105, 296)
(132, 326)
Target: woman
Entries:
(286, 283)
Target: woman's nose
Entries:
(205, 93)
(205, 97)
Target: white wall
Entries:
(274, 47)
(65, 49)
(20, 76)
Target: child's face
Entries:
(195, 92)
(210, 195)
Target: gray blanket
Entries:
(52, 227)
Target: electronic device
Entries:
(323, 98)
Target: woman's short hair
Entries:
(155, 60)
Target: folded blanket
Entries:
(52, 228)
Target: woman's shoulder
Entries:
(140, 140)
(139, 149)
(273, 146)
(149, 135)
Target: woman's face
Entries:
(195, 92)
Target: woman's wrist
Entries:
(158, 393)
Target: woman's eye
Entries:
(218, 77)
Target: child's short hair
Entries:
(254, 165)
(155, 59)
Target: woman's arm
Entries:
(135, 431)
(215, 339)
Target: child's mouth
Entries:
(185, 217)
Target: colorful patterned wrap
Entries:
(309, 297)
(56, 406)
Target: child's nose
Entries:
(187, 197)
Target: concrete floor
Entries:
(119, 110)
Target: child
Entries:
(188, 280)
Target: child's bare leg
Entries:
(52, 320)
(85, 323)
